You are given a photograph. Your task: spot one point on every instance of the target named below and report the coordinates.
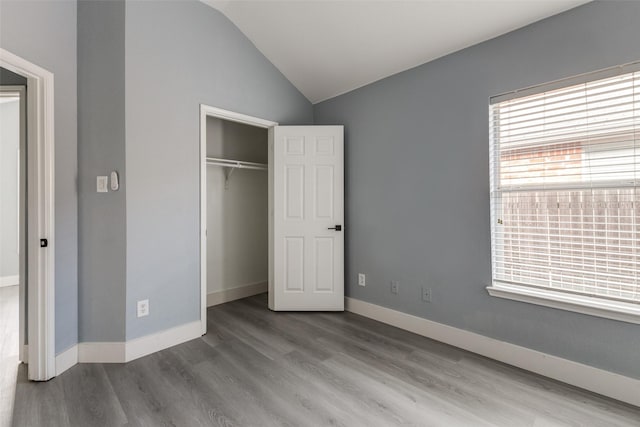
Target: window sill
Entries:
(622, 311)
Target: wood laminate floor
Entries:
(259, 368)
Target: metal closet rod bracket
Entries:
(233, 165)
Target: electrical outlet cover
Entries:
(395, 285)
(426, 294)
(143, 308)
(362, 279)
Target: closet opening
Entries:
(234, 207)
(12, 234)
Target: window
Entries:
(565, 196)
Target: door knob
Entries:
(337, 228)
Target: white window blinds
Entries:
(565, 172)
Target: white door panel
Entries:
(306, 196)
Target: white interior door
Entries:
(306, 218)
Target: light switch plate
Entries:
(101, 184)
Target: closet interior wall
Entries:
(237, 222)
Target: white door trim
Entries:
(40, 214)
(208, 111)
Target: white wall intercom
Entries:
(114, 181)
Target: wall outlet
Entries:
(394, 286)
(362, 279)
(426, 294)
(143, 308)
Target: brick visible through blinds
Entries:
(565, 172)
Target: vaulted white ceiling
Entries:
(326, 48)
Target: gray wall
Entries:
(417, 182)
(45, 34)
(101, 149)
(9, 198)
(178, 55)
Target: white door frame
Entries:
(208, 111)
(40, 214)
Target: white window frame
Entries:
(594, 306)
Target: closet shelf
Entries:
(228, 163)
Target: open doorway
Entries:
(36, 240)
(237, 202)
(234, 202)
(12, 232)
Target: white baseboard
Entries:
(101, 352)
(9, 280)
(24, 355)
(599, 381)
(226, 295)
(122, 352)
(66, 359)
(148, 344)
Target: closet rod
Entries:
(228, 163)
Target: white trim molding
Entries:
(616, 310)
(9, 280)
(599, 381)
(209, 111)
(139, 347)
(66, 359)
(101, 352)
(227, 295)
(24, 355)
(122, 352)
(235, 117)
(40, 213)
